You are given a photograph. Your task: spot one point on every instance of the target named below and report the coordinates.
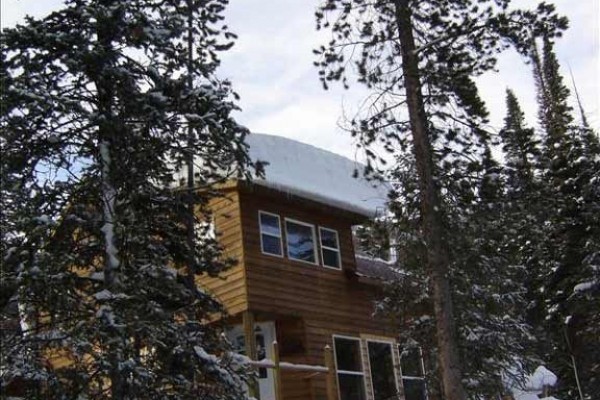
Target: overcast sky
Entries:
(271, 68)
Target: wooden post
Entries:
(277, 371)
(250, 344)
(331, 374)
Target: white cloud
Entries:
(310, 121)
(13, 11)
(577, 50)
(271, 68)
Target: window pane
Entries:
(239, 346)
(351, 387)
(382, 370)
(414, 389)
(269, 224)
(347, 353)
(271, 244)
(261, 354)
(410, 362)
(329, 238)
(300, 242)
(331, 258)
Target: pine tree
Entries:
(526, 198)
(520, 147)
(98, 112)
(558, 113)
(569, 166)
(419, 59)
(494, 339)
(497, 339)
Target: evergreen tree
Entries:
(419, 59)
(570, 283)
(520, 148)
(495, 341)
(525, 199)
(102, 101)
(558, 113)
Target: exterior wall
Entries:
(230, 286)
(325, 301)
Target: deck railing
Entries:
(277, 366)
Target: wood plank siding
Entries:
(230, 286)
(321, 301)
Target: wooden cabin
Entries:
(298, 280)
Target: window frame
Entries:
(412, 377)
(314, 239)
(397, 369)
(261, 233)
(354, 373)
(338, 250)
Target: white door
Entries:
(265, 335)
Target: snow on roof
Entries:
(377, 268)
(313, 173)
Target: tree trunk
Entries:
(433, 230)
(189, 157)
(106, 135)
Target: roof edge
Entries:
(363, 211)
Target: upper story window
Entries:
(413, 374)
(330, 248)
(348, 363)
(300, 241)
(270, 234)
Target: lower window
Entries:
(414, 389)
(383, 376)
(350, 375)
(261, 351)
(413, 376)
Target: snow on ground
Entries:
(540, 378)
(521, 395)
(534, 386)
(307, 171)
(584, 286)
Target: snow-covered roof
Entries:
(316, 174)
(377, 268)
